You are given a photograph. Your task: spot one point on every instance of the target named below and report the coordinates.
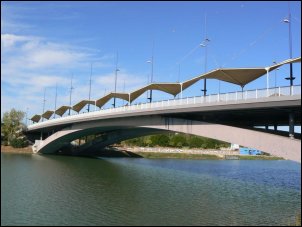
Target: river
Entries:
(62, 190)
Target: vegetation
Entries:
(12, 129)
(258, 157)
(176, 140)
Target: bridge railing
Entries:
(213, 98)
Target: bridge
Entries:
(230, 117)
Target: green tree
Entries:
(159, 140)
(195, 142)
(12, 127)
(178, 140)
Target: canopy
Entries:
(239, 76)
(77, 107)
(36, 118)
(62, 110)
(288, 61)
(190, 82)
(171, 88)
(102, 101)
(47, 114)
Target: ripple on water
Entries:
(52, 190)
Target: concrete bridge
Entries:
(229, 117)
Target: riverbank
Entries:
(10, 149)
(205, 156)
(162, 152)
(201, 154)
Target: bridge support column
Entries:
(275, 127)
(291, 125)
(266, 127)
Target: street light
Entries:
(116, 70)
(290, 78)
(54, 113)
(151, 62)
(43, 103)
(288, 21)
(115, 81)
(70, 92)
(89, 87)
(205, 44)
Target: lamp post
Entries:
(54, 113)
(124, 92)
(71, 88)
(290, 78)
(288, 21)
(116, 70)
(151, 62)
(89, 87)
(43, 103)
(205, 44)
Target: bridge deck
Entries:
(265, 99)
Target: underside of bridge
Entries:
(118, 129)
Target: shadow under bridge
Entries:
(119, 129)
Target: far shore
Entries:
(161, 152)
(184, 153)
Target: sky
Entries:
(47, 43)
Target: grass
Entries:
(258, 157)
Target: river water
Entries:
(62, 190)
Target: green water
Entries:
(61, 190)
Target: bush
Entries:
(178, 141)
(195, 142)
(18, 143)
(159, 140)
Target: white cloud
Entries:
(50, 57)
(10, 40)
(34, 52)
(30, 64)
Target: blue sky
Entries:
(44, 43)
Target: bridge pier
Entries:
(275, 127)
(291, 125)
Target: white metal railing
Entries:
(213, 98)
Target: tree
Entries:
(12, 127)
(178, 140)
(160, 140)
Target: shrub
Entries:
(159, 140)
(178, 141)
(18, 143)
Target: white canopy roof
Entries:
(239, 76)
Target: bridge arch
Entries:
(274, 144)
